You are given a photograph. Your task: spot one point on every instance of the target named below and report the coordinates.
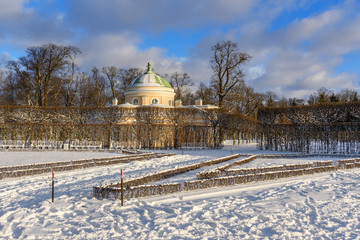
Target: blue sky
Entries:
(297, 46)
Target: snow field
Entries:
(295, 208)
(13, 158)
(322, 206)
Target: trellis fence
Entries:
(54, 145)
(222, 171)
(114, 191)
(33, 169)
(218, 171)
(169, 173)
(341, 164)
(320, 128)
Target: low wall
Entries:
(172, 172)
(246, 171)
(146, 190)
(219, 171)
(33, 169)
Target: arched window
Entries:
(154, 101)
(135, 101)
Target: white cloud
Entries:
(4, 58)
(307, 28)
(122, 50)
(11, 7)
(156, 15)
(283, 63)
(22, 26)
(295, 73)
(110, 33)
(255, 72)
(339, 41)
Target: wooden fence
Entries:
(302, 155)
(33, 169)
(219, 171)
(171, 172)
(114, 191)
(246, 171)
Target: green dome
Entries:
(149, 79)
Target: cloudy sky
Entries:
(297, 46)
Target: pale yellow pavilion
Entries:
(150, 89)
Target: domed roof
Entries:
(149, 79)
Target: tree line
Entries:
(48, 75)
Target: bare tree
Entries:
(112, 73)
(206, 94)
(271, 99)
(126, 76)
(8, 91)
(322, 95)
(283, 102)
(244, 100)
(74, 51)
(83, 90)
(15, 89)
(348, 95)
(226, 65)
(98, 90)
(188, 97)
(296, 101)
(180, 82)
(41, 66)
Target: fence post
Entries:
(122, 188)
(52, 188)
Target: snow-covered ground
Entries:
(9, 158)
(265, 162)
(323, 206)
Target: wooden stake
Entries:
(122, 188)
(52, 190)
